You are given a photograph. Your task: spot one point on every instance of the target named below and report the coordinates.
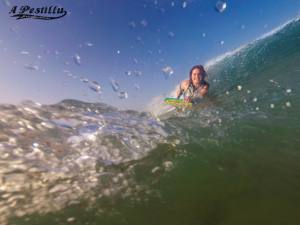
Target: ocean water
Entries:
(233, 161)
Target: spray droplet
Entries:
(137, 73)
(243, 26)
(135, 61)
(222, 42)
(84, 80)
(254, 99)
(89, 44)
(95, 86)
(6, 2)
(136, 86)
(288, 90)
(24, 53)
(35, 145)
(168, 165)
(248, 91)
(77, 59)
(71, 219)
(221, 6)
(123, 95)
(144, 23)
(31, 67)
(227, 92)
(288, 104)
(128, 73)
(115, 85)
(168, 71)
(139, 39)
(184, 4)
(257, 108)
(118, 52)
(203, 34)
(272, 106)
(171, 34)
(239, 87)
(132, 24)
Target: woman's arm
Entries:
(182, 87)
(179, 92)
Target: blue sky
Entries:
(118, 47)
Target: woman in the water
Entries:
(194, 88)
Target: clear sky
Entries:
(115, 36)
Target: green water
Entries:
(246, 179)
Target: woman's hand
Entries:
(188, 99)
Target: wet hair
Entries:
(202, 71)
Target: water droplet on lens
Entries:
(221, 6)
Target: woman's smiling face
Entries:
(196, 76)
